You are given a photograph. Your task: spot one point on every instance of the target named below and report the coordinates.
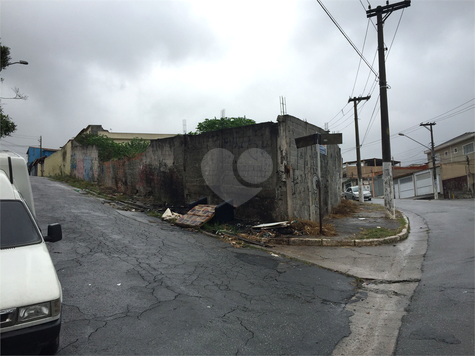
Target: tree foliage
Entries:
(7, 125)
(5, 57)
(109, 149)
(209, 125)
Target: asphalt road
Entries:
(440, 317)
(133, 284)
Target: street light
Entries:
(434, 180)
(19, 62)
(401, 134)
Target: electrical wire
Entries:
(347, 38)
(395, 32)
(13, 144)
(23, 136)
(447, 115)
(369, 6)
(338, 113)
(372, 119)
(444, 116)
(359, 62)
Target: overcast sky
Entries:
(145, 66)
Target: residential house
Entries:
(457, 169)
(371, 168)
(36, 156)
(414, 181)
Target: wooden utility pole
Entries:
(358, 155)
(383, 95)
(432, 153)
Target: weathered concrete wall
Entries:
(84, 162)
(161, 172)
(257, 166)
(299, 171)
(59, 163)
(251, 152)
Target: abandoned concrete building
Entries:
(258, 167)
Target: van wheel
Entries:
(51, 348)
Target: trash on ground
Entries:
(168, 215)
(272, 225)
(197, 216)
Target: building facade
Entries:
(455, 159)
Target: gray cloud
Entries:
(145, 66)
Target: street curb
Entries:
(299, 241)
(313, 241)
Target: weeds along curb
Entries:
(313, 241)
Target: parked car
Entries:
(352, 193)
(30, 291)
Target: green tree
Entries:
(7, 125)
(5, 57)
(224, 123)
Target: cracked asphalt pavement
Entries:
(133, 284)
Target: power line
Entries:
(371, 120)
(13, 144)
(24, 137)
(338, 113)
(395, 32)
(359, 62)
(446, 115)
(347, 38)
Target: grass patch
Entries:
(382, 232)
(154, 214)
(312, 228)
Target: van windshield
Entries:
(16, 225)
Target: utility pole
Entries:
(355, 101)
(385, 137)
(432, 153)
(41, 153)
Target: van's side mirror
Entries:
(54, 233)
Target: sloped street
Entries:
(133, 284)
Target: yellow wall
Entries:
(59, 163)
(453, 161)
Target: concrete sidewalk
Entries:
(387, 277)
(399, 261)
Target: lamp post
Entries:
(19, 62)
(434, 180)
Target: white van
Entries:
(30, 291)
